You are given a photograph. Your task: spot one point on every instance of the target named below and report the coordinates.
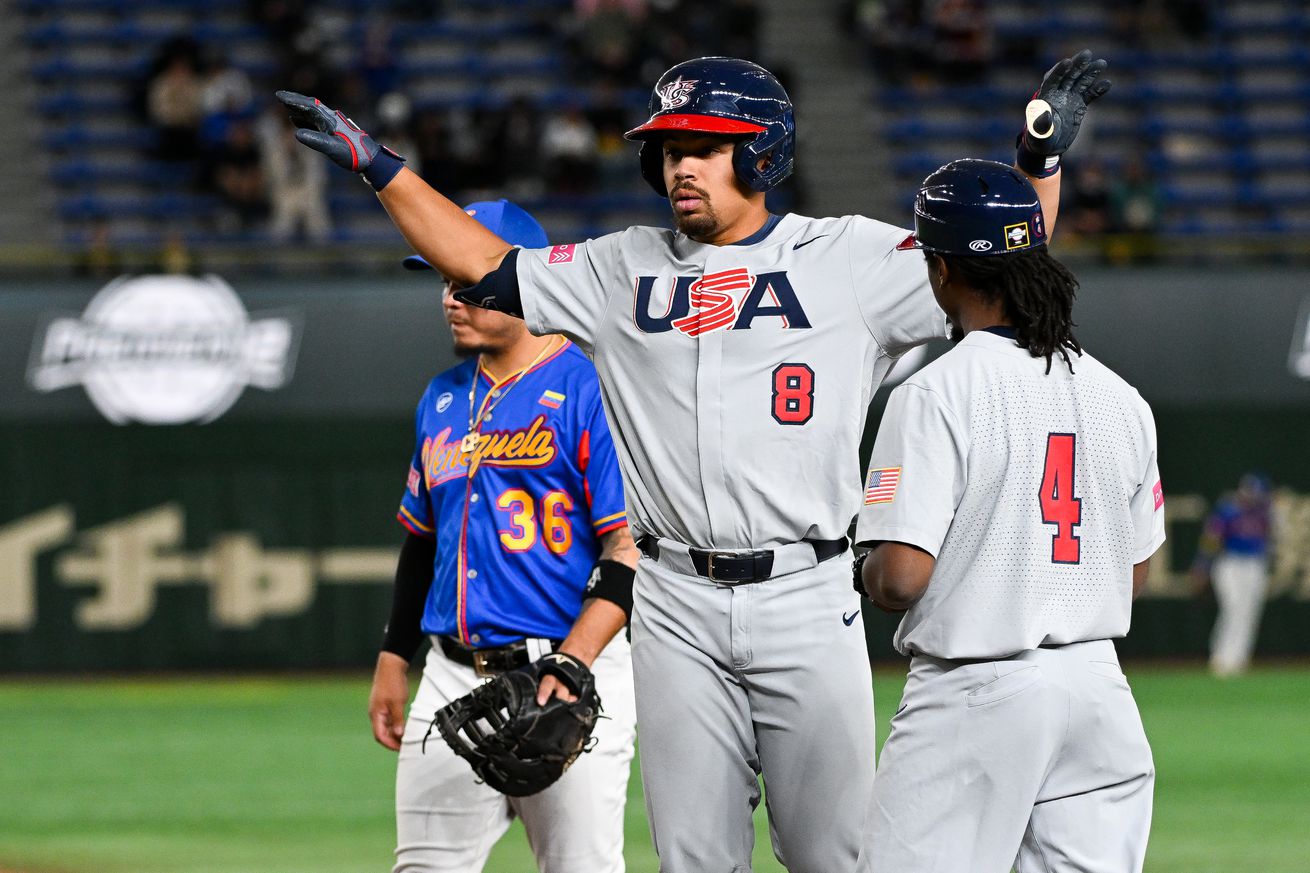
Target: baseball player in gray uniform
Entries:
(1013, 503)
(737, 354)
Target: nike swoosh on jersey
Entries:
(807, 242)
(849, 619)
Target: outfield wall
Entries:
(266, 537)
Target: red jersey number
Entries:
(1059, 505)
(793, 393)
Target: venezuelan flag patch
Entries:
(552, 399)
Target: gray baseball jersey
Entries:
(1018, 741)
(1036, 493)
(738, 377)
(737, 380)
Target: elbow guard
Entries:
(612, 581)
(498, 290)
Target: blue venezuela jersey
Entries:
(1243, 530)
(517, 522)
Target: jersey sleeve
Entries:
(917, 472)
(891, 287)
(600, 470)
(415, 511)
(565, 288)
(1147, 505)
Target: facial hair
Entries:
(701, 225)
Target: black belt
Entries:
(740, 567)
(490, 662)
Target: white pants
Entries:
(447, 821)
(770, 677)
(1038, 761)
(1239, 587)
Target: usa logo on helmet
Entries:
(676, 93)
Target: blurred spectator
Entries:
(226, 98)
(1153, 24)
(609, 34)
(100, 259)
(892, 31)
(1135, 211)
(568, 151)
(174, 107)
(1085, 211)
(614, 154)
(434, 158)
(285, 20)
(234, 172)
(225, 87)
(393, 116)
(377, 64)
(961, 39)
(516, 147)
(1234, 556)
(175, 258)
(296, 180)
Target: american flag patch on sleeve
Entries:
(881, 487)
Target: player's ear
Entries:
(937, 264)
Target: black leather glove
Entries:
(513, 744)
(329, 131)
(1056, 111)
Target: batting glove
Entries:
(329, 131)
(1056, 111)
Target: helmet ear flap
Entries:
(652, 165)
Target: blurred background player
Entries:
(1233, 556)
(723, 346)
(518, 545)
(1012, 508)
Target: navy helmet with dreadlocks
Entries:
(985, 220)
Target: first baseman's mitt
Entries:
(514, 745)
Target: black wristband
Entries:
(858, 569)
(1035, 165)
(404, 633)
(383, 168)
(612, 581)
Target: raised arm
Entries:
(455, 244)
(1051, 123)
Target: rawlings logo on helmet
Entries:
(676, 93)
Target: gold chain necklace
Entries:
(470, 441)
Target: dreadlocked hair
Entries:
(1037, 292)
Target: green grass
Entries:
(280, 775)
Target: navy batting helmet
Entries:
(972, 207)
(725, 96)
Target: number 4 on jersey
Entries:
(1059, 505)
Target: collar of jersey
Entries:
(759, 235)
(543, 362)
(1004, 330)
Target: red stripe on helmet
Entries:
(694, 124)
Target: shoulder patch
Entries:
(562, 254)
(881, 486)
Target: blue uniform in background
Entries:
(1235, 544)
(1241, 529)
(516, 539)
